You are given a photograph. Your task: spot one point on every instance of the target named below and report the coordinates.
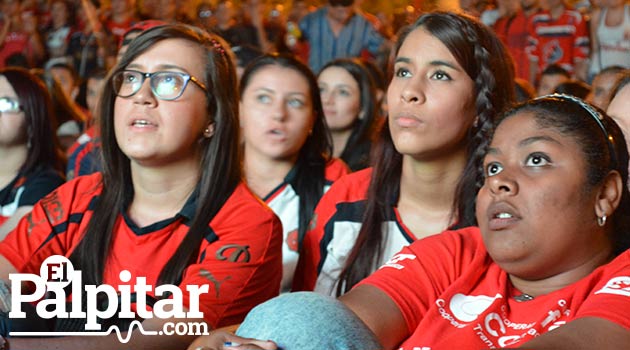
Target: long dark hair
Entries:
(44, 149)
(602, 144)
(310, 167)
(220, 167)
(357, 150)
(484, 58)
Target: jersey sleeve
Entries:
(37, 187)
(242, 267)
(415, 277)
(52, 227)
(335, 169)
(321, 231)
(611, 296)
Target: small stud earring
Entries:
(601, 220)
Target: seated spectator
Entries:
(349, 99)
(547, 268)
(169, 207)
(551, 77)
(32, 161)
(286, 145)
(602, 86)
(573, 87)
(68, 115)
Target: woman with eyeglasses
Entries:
(32, 161)
(169, 208)
(287, 148)
(548, 266)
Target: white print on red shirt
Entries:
(617, 285)
(394, 261)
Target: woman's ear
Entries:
(209, 130)
(609, 195)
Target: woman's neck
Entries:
(546, 285)
(13, 158)
(427, 191)
(340, 141)
(160, 192)
(263, 174)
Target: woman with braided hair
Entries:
(451, 78)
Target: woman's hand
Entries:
(219, 340)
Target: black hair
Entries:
(357, 150)
(484, 58)
(219, 171)
(44, 149)
(310, 167)
(601, 141)
(555, 69)
(573, 87)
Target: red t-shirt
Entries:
(513, 33)
(453, 296)
(240, 258)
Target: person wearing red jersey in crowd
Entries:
(547, 268)
(18, 34)
(32, 160)
(558, 35)
(511, 28)
(169, 205)
(349, 98)
(287, 148)
(120, 18)
(452, 76)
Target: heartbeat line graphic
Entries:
(111, 329)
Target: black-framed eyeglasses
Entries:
(9, 105)
(164, 85)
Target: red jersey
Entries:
(335, 228)
(563, 41)
(26, 190)
(514, 34)
(240, 257)
(466, 301)
(285, 202)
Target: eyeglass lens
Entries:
(165, 85)
(9, 105)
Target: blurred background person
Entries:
(32, 161)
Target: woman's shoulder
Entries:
(351, 187)
(77, 189)
(243, 201)
(335, 169)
